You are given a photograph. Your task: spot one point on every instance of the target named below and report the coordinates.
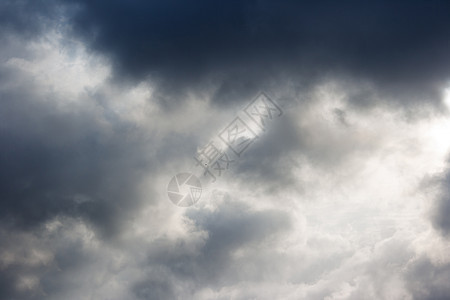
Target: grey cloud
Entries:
(427, 280)
(29, 18)
(84, 166)
(242, 46)
(441, 210)
(64, 162)
(237, 48)
(232, 226)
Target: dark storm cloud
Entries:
(28, 18)
(55, 161)
(401, 47)
(270, 160)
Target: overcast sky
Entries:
(345, 195)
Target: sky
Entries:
(344, 193)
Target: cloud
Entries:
(101, 103)
(60, 156)
(240, 47)
(427, 280)
(26, 17)
(441, 209)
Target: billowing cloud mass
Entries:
(345, 195)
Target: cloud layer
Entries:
(345, 196)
